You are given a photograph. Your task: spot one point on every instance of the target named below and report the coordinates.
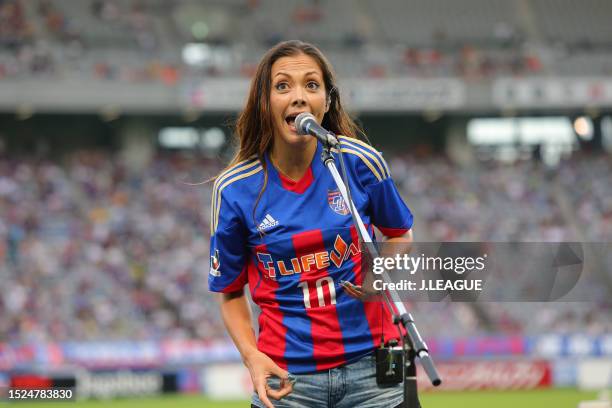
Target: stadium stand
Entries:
(564, 21)
(135, 41)
(77, 251)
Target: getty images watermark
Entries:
(491, 271)
(412, 264)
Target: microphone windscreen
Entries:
(300, 122)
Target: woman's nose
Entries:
(298, 97)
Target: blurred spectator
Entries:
(106, 10)
(14, 29)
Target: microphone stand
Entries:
(413, 344)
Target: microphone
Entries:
(306, 124)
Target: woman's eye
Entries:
(281, 86)
(312, 85)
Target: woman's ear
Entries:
(329, 98)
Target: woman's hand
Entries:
(261, 368)
(357, 291)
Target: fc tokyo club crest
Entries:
(214, 264)
(337, 203)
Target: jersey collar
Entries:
(299, 186)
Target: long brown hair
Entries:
(254, 129)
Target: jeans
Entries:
(350, 386)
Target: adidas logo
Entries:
(267, 223)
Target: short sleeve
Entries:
(387, 209)
(228, 250)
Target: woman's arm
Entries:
(398, 245)
(406, 238)
(237, 318)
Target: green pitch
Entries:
(558, 398)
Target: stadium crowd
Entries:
(590, 196)
(88, 251)
(91, 250)
(517, 202)
(137, 41)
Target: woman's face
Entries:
(297, 86)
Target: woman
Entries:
(279, 224)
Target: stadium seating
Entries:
(390, 38)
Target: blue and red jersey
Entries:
(296, 247)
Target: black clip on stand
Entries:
(413, 344)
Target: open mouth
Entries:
(290, 119)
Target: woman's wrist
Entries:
(248, 354)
